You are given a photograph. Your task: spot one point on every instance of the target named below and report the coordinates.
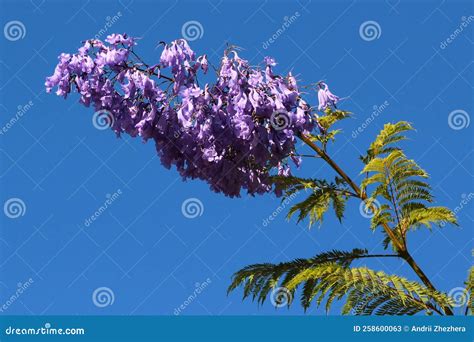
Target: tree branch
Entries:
(400, 246)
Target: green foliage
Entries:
(328, 277)
(400, 196)
(327, 121)
(323, 195)
(396, 191)
(470, 292)
(390, 134)
(331, 117)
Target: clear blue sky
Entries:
(142, 247)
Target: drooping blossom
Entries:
(233, 133)
(325, 97)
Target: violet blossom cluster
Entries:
(233, 133)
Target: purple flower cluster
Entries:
(233, 133)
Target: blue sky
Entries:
(142, 248)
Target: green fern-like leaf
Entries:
(322, 196)
(470, 292)
(331, 117)
(328, 277)
(326, 122)
(390, 134)
(398, 186)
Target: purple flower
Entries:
(203, 63)
(116, 39)
(220, 133)
(243, 127)
(269, 61)
(112, 57)
(325, 97)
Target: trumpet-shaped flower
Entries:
(325, 97)
(221, 132)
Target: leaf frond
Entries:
(329, 277)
